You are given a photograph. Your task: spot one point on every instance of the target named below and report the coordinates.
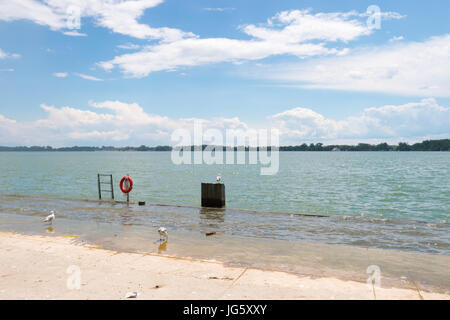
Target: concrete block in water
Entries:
(213, 195)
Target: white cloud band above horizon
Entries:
(118, 123)
(403, 68)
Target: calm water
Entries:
(372, 200)
(401, 186)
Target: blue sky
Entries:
(313, 69)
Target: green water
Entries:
(395, 185)
(385, 200)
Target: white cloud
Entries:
(8, 130)
(128, 123)
(219, 9)
(60, 74)
(296, 32)
(410, 120)
(193, 52)
(7, 70)
(118, 15)
(301, 26)
(121, 17)
(5, 55)
(112, 121)
(88, 77)
(2, 54)
(394, 39)
(67, 117)
(4, 120)
(75, 34)
(289, 32)
(388, 15)
(99, 135)
(392, 15)
(132, 113)
(35, 11)
(413, 68)
(129, 46)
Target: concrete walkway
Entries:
(41, 267)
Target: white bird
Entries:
(131, 295)
(163, 233)
(219, 178)
(50, 217)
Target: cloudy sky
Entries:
(118, 72)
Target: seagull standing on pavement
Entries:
(50, 217)
(163, 234)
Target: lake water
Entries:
(394, 185)
(396, 200)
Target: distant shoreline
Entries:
(427, 145)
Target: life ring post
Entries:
(126, 185)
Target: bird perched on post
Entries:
(50, 217)
(163, 234)
(219, 178)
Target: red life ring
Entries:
(128, 184)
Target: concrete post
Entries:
(213, 195)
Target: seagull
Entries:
(50, 217)
(163, 233)
(219, 178)
(131, 295)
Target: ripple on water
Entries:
(418, 236)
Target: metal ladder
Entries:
(100, 182)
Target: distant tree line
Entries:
(428, 145)
(85, 148)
